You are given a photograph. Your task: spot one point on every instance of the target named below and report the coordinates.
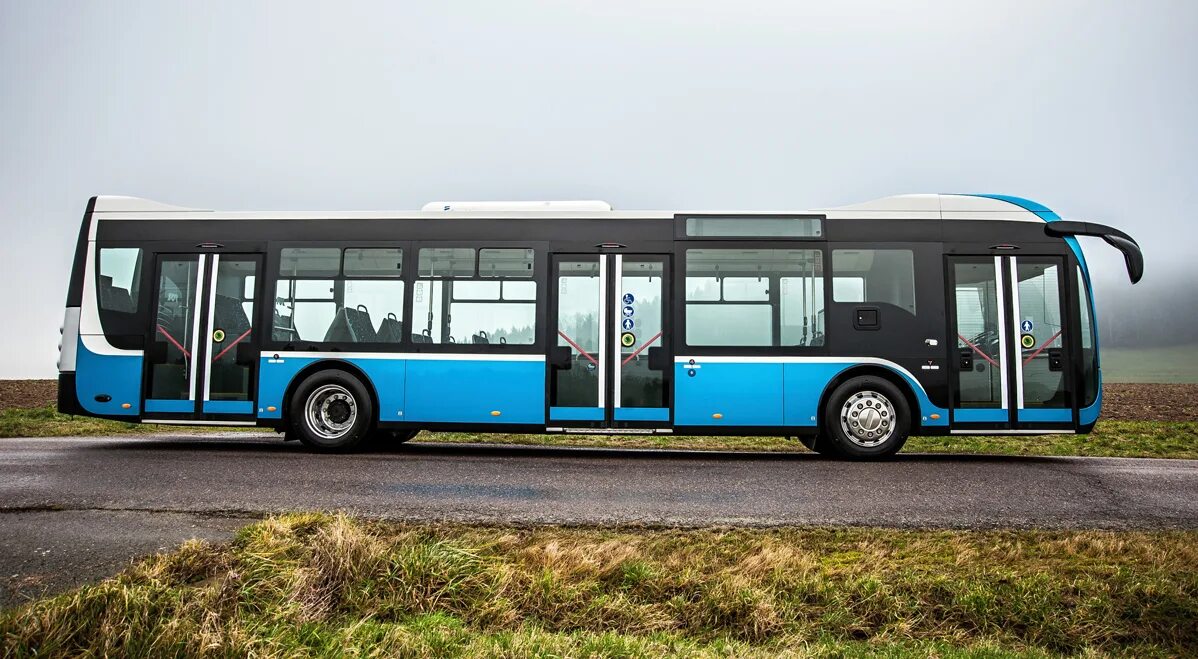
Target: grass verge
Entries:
(1128, 439)
(311, 584)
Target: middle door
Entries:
(609, 341)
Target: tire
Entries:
(819, 444)
(867, 417)
(331, 411)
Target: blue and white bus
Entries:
(850, 328)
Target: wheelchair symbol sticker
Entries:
(627, 324)
(628, 299)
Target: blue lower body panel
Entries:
(116, 376)
(1045, 415)
(642, 414)
(476, 391)
(769, 393)
(162, 406)
(728, 394)
(576, 414)
(981, 415)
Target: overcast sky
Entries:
(1088, 107)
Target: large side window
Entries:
(118, 280)
(874, 275)
(335, 295)
(754, 297)
(1089, 351)
(484, 296)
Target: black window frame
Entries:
(679, 301)
(540, 274)
(681, 218)
(273, 260)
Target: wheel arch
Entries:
(330, 365)
(888, 374)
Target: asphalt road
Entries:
(73, 509)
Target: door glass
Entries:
(578, 300)
(978, 341)
(1039, 334)
(232, 330)
(638, 324)
(171, 366)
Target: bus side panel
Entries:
(741, 394)
(387, 376)
(117, 377)
(804, 384)
(476, 391)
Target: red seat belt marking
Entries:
(578, 348)
(978, 350)
(1042, 347)
(638, 350)
(230, 346)
(186, 355)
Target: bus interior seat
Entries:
(283, 329)
(481, 338)
(423, 337)
(391, 331)
(230, 316)
(113, 298)
(351, 326)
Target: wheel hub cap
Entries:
(331, 411)
(867, 418)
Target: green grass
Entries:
(310, 584)
(47, 422)
(1129, 439)
(1174, 364)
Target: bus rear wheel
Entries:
(867, 417)
(331, 411)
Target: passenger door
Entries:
(609, 341)
(1008, 335)
(201, 361)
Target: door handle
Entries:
(1055, 359)
(966, 360)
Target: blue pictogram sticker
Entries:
(628, 312)
(628, 299)
(1027, 326)
(627, 324)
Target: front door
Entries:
(202, 346)
(608, 341)
(1009, 358)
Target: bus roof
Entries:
(909, 206)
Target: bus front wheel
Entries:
(331, 411)
(867, 417)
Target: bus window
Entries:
(319, 300)
(1089, 353)
(874, 275)
(493, 304)
(761, 297)
(120, 272)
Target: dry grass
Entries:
(331, 586)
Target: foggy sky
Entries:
(1087, 107)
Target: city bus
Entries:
(848, 329)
